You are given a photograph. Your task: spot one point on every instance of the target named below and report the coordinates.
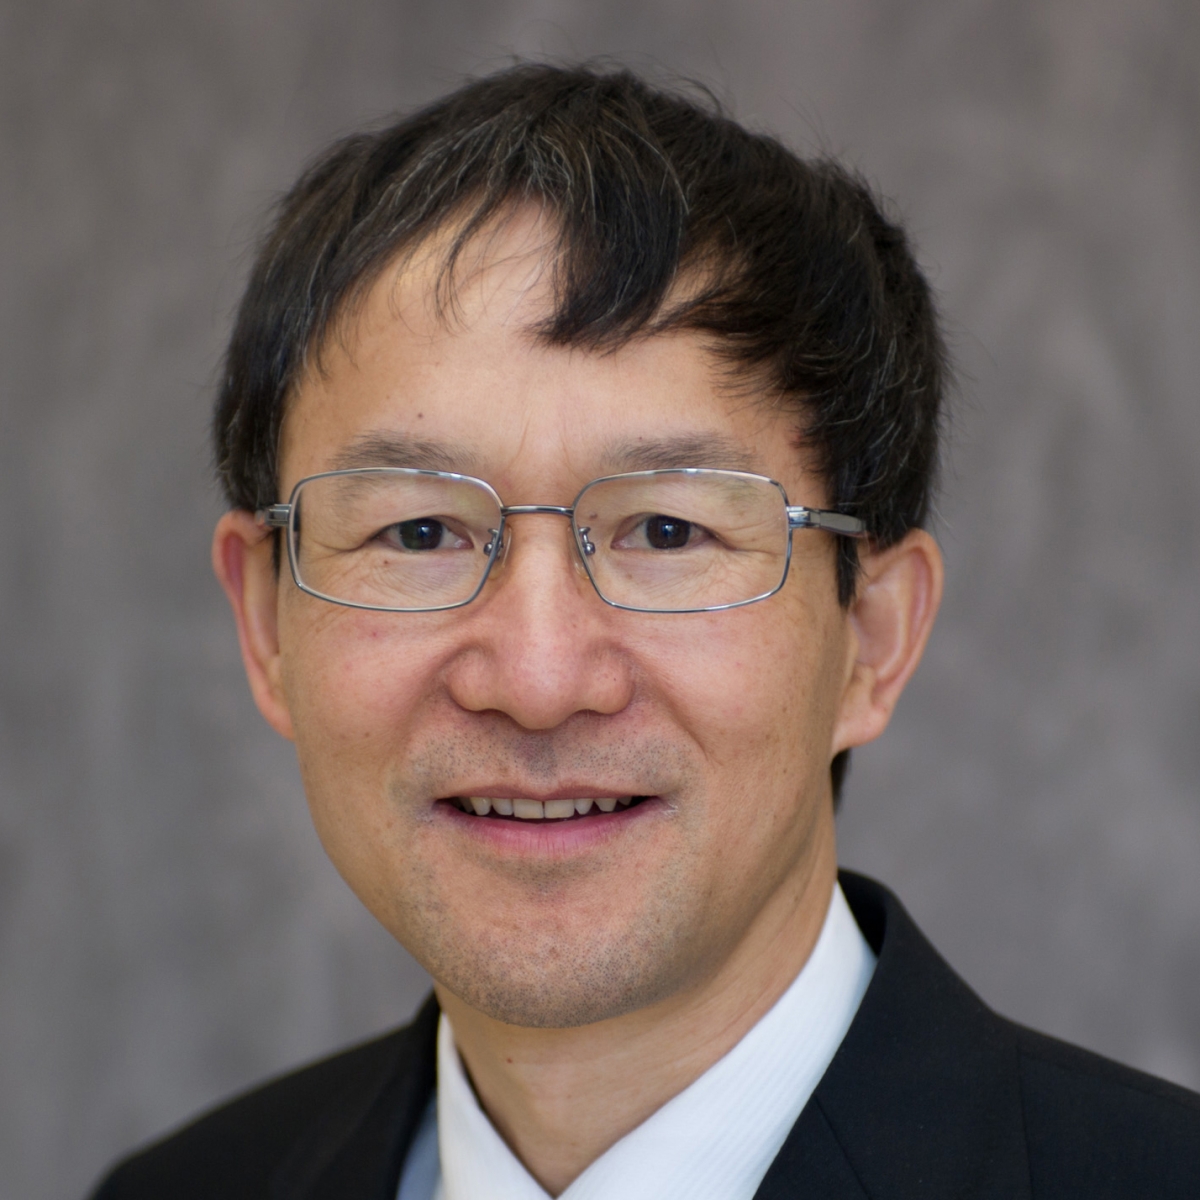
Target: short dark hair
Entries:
(797, 274)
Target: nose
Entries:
(539, 645)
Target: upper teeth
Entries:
(539, 810)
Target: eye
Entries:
(668, 533)
(658, 531)
(423, 533)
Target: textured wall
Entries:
(169, 930)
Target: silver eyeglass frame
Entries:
(283, 517)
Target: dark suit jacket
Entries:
(930, 1095)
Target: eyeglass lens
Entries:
(661, 541)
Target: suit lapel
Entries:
(811, 1164)
(922, 1098)
(356, 1148)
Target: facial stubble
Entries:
(546, 943)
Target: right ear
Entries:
(243, 558)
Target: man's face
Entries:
(724, 722)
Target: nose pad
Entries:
(493, 534)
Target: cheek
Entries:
(755, 692)
(354, 682)
(752, 687)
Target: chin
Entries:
(561, 997)
(556, 978)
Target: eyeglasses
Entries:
(398, 539)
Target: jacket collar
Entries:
(921, 1099)
(356, 1148)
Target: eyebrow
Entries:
(687, 450)
(380, 449)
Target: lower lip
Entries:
(548, 838)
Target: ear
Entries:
(890, 620)
(243, 559)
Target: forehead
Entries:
(417, 374)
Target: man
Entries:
(578, 445)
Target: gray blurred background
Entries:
(169, 929)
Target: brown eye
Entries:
(667, 533)
(422, 534)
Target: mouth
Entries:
(521, 808)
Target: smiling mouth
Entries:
(521, 809)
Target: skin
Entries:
(590, 969)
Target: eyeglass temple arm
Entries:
(800, 517)
(274, 517)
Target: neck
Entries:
(561, 1097)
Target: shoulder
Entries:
(930, 1085)
(293, 1124)
(1095, 1127)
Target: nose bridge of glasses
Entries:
(517, 510)
(550, 510)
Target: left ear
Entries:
(890, 619)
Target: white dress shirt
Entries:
(713, 1141)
